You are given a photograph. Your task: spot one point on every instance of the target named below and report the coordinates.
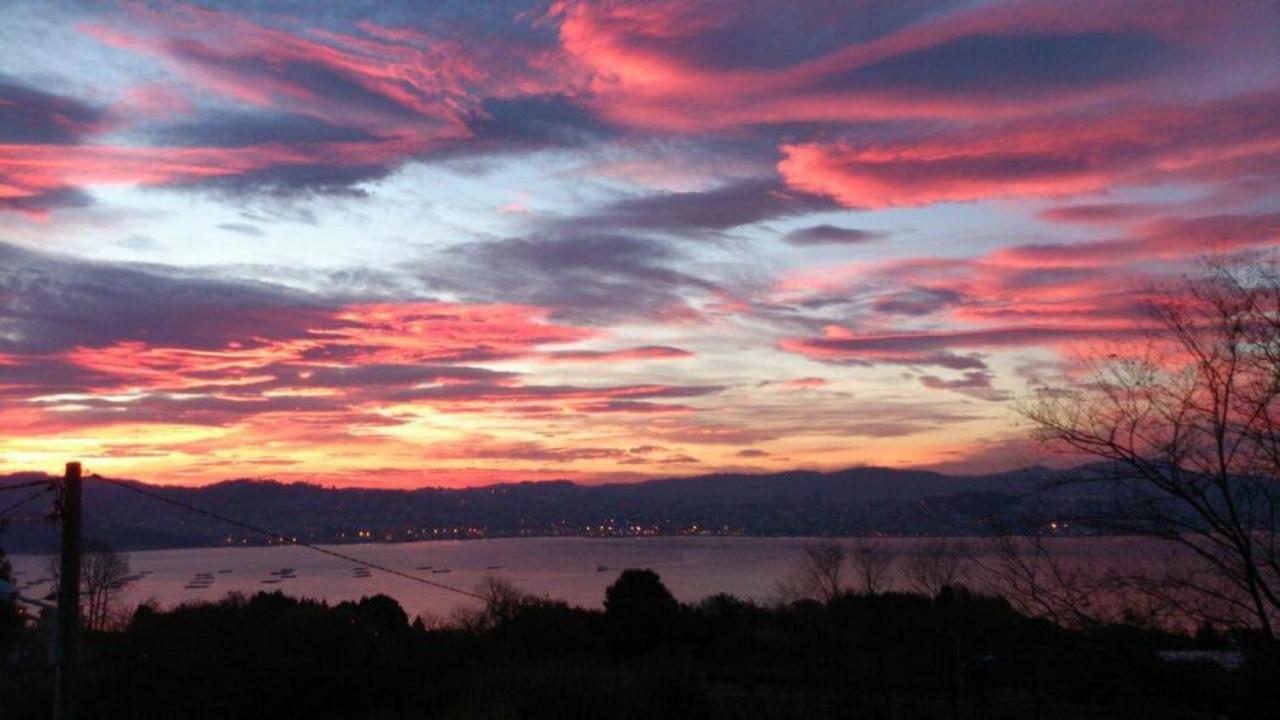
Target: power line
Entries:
(9, 508)
(280, 536)
(20, 486)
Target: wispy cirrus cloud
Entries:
(520, 237)
(105, 343)
(1223, 140)
(684, 66)
(1033, 295)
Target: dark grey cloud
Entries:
(975, 383)
(589, 277)
(1020, 64)
(43, 201)
(497, 126)
(243, 129)
(24, 379)
(917, 301)
(831, 235)
(723, 208)
(533, 122)
(34, 117)
(759, 36)
(298, 179)
(50, 303)
(522, 124)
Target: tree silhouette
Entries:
(102, 577)
(819, 574)
(640, 611)
(937, 564)
(1189, 429)
(872, 564)
(638, 594)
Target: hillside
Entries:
(853, 501)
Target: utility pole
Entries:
(67, 651)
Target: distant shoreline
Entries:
(672, 536)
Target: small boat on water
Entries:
(602, 568)
(492, 567)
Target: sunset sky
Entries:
(401, 244)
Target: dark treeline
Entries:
(956, 655)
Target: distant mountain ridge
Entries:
(852, 501)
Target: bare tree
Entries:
(872, 563)
(1189, 428)
(503, 601)
(102, 579)
(818, 575)
(1025, 570)
(938, 563)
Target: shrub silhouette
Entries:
(957, 654)
(640, 609)
(638, 593)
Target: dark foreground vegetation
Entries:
(956, 655)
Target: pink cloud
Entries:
(683, 65)
(806, 383)
(643, 352)
(1216, 141)
(940, 311)
(342, 364)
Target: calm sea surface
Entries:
(576, 570)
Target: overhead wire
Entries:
(10, 508)
(287, 539)
(20, 486)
